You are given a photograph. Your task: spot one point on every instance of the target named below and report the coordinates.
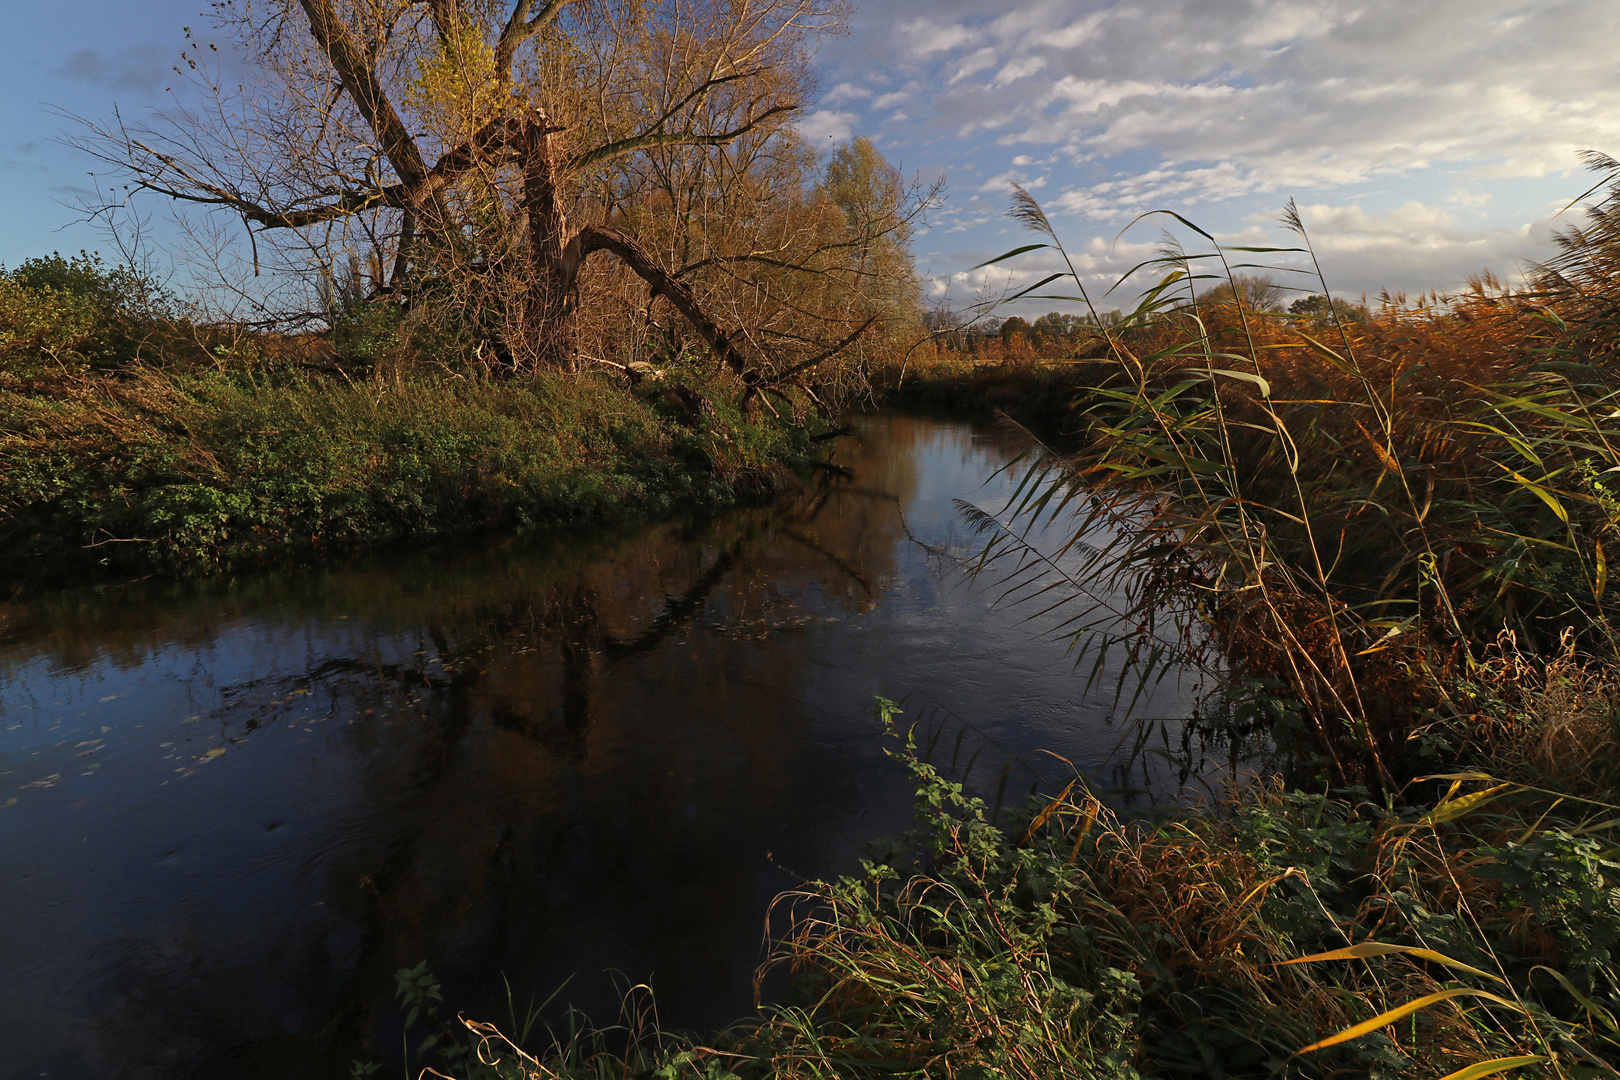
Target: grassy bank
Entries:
(1279, 933)
(1037, 390)
(154, 469)
(135, 437)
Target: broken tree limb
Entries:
(593, 238)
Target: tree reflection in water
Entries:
(512, 758)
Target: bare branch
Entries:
(495, 136)
(360, 80)
(595, 238)
(636, 143)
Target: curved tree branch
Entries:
(597, 238)
(520, 28)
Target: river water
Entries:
(230, 810)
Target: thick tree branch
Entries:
(520, 28)
(780, 264)
(596, 238)
(446, 18)
(354, 68)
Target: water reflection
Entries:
(234, 808)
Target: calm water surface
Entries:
(230, 810)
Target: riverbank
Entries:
(1275, 933)
(145, 469)
(1043, 392)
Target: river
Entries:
(231, 809)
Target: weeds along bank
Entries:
(1284, 933)
(193, 472)
(133, 441)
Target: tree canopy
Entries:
(464, 159)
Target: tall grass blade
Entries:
(1377, 948)
(1400, 1012)
(1496, 1065)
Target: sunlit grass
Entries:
(191, 471)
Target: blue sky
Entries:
(1424, 140)
(81, 58)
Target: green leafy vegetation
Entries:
(231, 446)
(1064, 942)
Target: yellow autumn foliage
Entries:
(455, 92)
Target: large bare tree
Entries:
(503, 143)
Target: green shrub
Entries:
(70, 316)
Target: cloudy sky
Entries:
(1423, 140)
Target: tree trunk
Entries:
(546, 331)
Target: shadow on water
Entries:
(232, 809)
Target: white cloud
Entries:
(1422, 139)
(1021, 68)
(1075, 33)
(1287, 23)
(1006, 180)
(1412, 221)
(983, 60)
(825, 125)
(1471, 198)
(846, 92)
(925, 37)
(1294, 94)
(1416, 246)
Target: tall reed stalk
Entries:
(1346, 517)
